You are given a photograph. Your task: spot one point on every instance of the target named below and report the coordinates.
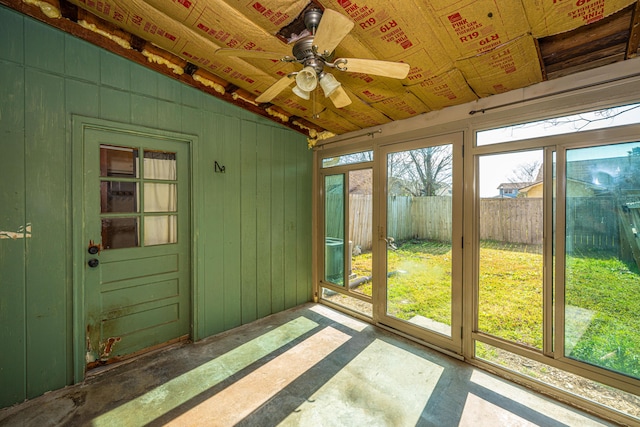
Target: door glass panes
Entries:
(510, 281)
(602, 275)
(160, 230)
(334, 229)
(160, 197)
(120, 233)
(343, 300)
(159, 165)
(419, 237)
(118, 196)
(360, 267)
(118, 161)
(121, 196)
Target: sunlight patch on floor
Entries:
(240, 399)
(509, 399)
(479, 412)
(383, 385)
(181, 389)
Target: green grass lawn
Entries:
(603, 288)
(609, 288)
(419, 282)
(510, 295)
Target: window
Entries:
(558, 259)
(347, 159)
(599, 119)
(602, 257)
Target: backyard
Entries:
(601, 326)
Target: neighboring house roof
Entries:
(513, 185)
(530, 187)
(594, 187)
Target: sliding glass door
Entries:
(420, 239)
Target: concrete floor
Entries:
(308, 366)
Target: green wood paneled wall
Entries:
(253, 222)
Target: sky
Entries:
(497, 169)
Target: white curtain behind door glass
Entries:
(160, 197)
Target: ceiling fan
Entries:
(327, 29)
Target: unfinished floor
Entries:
(308, 366)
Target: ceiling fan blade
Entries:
(396, 70)
(275, 89)
(332, 29)
(243, 53)
(340, 98)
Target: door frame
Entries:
(79, 125)
(453, 344)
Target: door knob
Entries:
(94, 248)
(93, 263)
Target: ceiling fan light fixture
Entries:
(307, 79)
(329, 84)
(304, 94)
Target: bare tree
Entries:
(420, 172)
(525, 172)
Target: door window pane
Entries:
(334, 229)
(118, 161)
(160, 197)
(510, 279)
(118, 197)
(118, 233)
(419, 235)
(349, 302)
(602, 275)
(160, 230)
(360, 268)
(159, 165)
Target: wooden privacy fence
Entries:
(517, 220)
(361, 224)
(419, 218)
(591, 222)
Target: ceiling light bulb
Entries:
(307, 79)
(301, 93)
(329, 84)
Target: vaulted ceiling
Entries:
(458, 51)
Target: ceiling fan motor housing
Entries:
(312, 19)
(303, 49)
(306, 55)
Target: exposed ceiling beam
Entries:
(634, 36)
